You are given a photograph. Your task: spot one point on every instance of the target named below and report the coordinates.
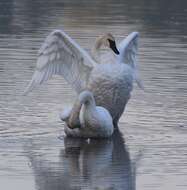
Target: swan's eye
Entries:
(113, 46)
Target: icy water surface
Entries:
(151, 150)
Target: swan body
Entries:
(111, 85)
(95, 121)
(110, 82)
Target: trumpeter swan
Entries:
(95, 121)
(110, 82)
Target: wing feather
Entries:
(60, 55)
(128, 54)
(128, 49)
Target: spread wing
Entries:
(60, 55)
(128, 49)
(128, 54)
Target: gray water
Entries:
(149, 152)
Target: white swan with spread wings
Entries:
(111, 82)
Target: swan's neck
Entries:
(74, 115)
(96, 49)
(89, 105)
(87, 110)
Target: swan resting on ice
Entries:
(95, 121)
(109, 77)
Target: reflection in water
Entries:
(95, 164)
(157, 123)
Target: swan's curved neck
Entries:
(96, 49)
(74, 115)
(86, 98)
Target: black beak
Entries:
(113, 46)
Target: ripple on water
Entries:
(151, 154)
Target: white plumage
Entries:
(110, 82)
(95, 121)
(60, 55)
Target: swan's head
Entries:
(107, 40)
(86, 97)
